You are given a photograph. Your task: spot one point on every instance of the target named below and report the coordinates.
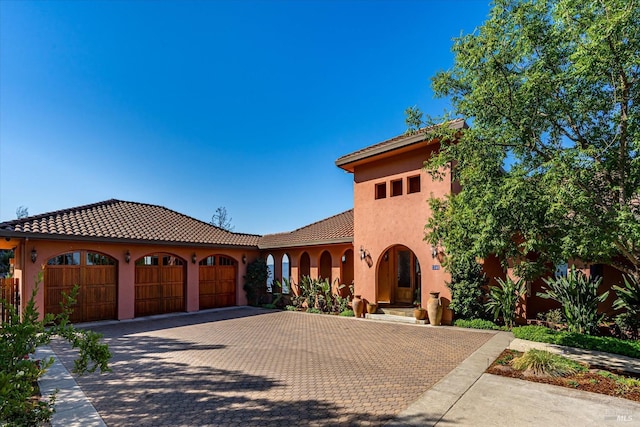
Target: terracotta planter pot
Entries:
(358, 306)
(372, 307)
(420, 313)
(433, 307)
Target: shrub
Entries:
(291, 308)
(552, 316)
(313, 310)
(629, 301)
(573, 339)
(18, 374)
(476, 324)
(467, 295)
(541, 362)
(629, 325)
(503, 299)
(579, 298)
(255, 281)
(347, 313)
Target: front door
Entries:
(398, 276)
(404, 285)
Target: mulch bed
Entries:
(587, 381)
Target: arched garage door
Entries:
(160, 284)
(96, 276)
(217, 282)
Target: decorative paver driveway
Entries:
(253, 367)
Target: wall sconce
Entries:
(386, 256)
(34, 255)
(127, 257)
(344, 259)
(362, 252)
(434, 251)
(244, 259)
(194, 258)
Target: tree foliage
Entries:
(550, 166)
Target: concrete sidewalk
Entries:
(469, 397)
(72, 409)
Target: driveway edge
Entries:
(434, 404)
(72, 408)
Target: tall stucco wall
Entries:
(380, 224)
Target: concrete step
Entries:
(395, 318)
(397, 311)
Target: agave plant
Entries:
(503, 299)
(629, 301)
(629, 296)
(578, 295)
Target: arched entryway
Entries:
(217, 281)
(325, 266)
(96, 276)
(346, 268)
(305, 266)
(398, 276)
(160, 284)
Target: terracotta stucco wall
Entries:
(383, 223)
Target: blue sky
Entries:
(196, 105)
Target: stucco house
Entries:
(134, 259)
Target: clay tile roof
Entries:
(394, 143)
(120, 220)
(336, 229)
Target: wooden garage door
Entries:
(96, 276)
(217, 282)
(160, 284)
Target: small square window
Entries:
(381, 190)
(396, 188)
(413, 184)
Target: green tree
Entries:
(549, 168)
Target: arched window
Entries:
(286, 273)
(325, 265)
(305, 266)
(271, 266)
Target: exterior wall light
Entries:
(194, 258)
(34, 255)
(244, 259)
(362, 252)
(434, 251)
(344, 259)
(127, 257)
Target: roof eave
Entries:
(60, 237)
(307, 243)
(349, 161)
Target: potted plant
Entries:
(418, 312)
(372, 307)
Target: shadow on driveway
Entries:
(236, 367)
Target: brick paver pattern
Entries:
(257, 367)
